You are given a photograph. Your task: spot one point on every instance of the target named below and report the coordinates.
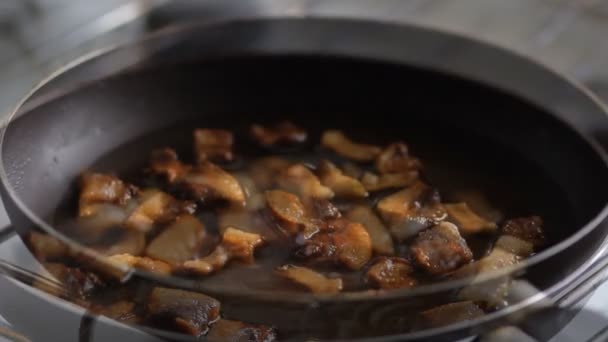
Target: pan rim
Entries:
(284, 296)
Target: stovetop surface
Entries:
(37, 36)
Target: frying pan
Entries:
(480, 116)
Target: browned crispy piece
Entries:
(342, 145)
(127, 242)
(411, 210)
(391, 273)
(254, 198)
(382, 243)
(398, 206)
(343, 243)
(241, 245)
(248, 221)
(515, 245)
(396, 159)
(235, 331)
(178, 242)
(451, 313)
(213, 145)
(106, 269)
(144, 263)
(492, 293)
(342, 185)
(46, 247)
(265, 171)
(354, 246)
(352, 170)
(325, 210)
(76, 282)
(123, 311)
(236, 245)
(207, 265)
(165, 163)
(298, 179)
(288, 211)
(507, 252)
(310, 279)
(209, 182)
(440, 249)
(236, 217)
(153, 207)
(497, 259)
(102, 219)
(283, 133)
(467, 220)
(526, 228)
(373, 182)
(479, 202)
(187, 312)
(96, 188)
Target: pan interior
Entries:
(470, 137)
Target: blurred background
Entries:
(39, 36)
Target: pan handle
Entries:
(556, 311)
(11, 335)
(6, 233)
(6, 331)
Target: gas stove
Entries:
(557, 33)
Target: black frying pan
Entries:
(479, 116)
